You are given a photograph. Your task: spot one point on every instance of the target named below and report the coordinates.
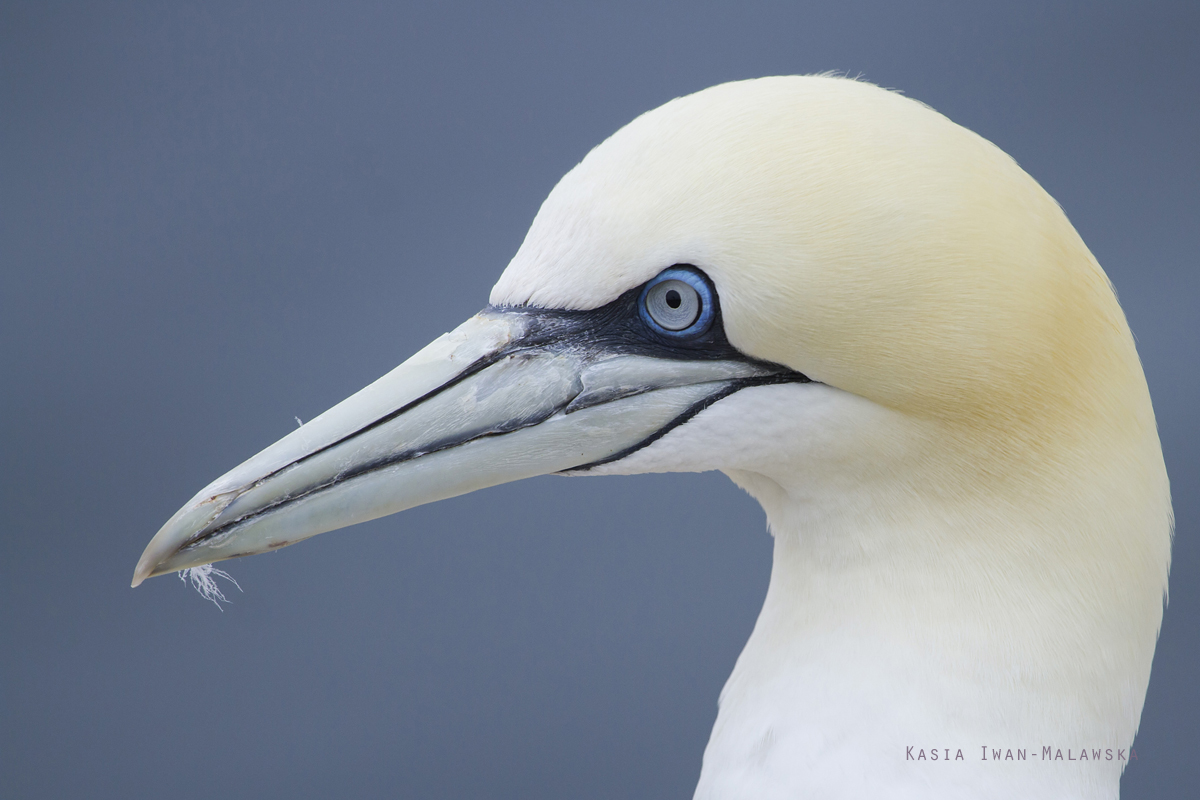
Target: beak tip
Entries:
(145, 566)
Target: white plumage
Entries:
(971, 514)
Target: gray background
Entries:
(216, 217)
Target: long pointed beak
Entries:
(510, 394)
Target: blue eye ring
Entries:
(705, 295)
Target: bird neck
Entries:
(892, 633)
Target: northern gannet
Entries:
(884, 330)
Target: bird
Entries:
(890, 335)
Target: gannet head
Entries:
(906, 265)
(874, 321)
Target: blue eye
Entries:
(678, 302)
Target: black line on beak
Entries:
(694, 409)
(612, 329)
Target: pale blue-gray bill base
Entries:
(885, 331)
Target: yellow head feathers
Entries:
(854, 234)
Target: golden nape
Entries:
(878, 325)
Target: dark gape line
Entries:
(595, 334)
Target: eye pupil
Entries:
(672, 304)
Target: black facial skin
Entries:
(613, 329)
(618, 328)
